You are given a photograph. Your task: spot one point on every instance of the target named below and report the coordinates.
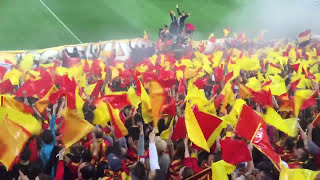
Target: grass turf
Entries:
(27, 24)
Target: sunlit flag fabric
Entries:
(101, 114)
(10, 102)
(288, 126)
(297, 174)
(12, 140)
(235, 151)
(197, 127)
(119, 128)
(244, 92)
(193, 129)
(157, 99)
(75, 127)
(43, 103)
(252, 127)
(26, 120)
(221, 170)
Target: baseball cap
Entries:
(115, 162)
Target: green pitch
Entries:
(27, 24)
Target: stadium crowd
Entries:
(246, 110)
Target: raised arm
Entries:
(153, 154)
(141, 142)
(178, 10)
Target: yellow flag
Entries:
(288, 126)
(190, 73)
(193, 129)
(254, 84)
(297, 174)
(166, 133)
(89, 88)
(75, 127)
(277, 86)
(27, 121)
(146, 105)
(115, 72)
(101, 114)
(221, 169)
(14, 76)
(157, 97)
(249, 64)
(237, 107)
(273, 70)
(142, 68)
(12, 140)
(134, 99)
(196, 97)
(27, 62)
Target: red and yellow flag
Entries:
(75, 127)
(226, 32)
(12, 140)
(43, 103)
(119, 128)
(10, 102)
(252, 127)
(157, 99)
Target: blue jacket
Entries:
(46, 149)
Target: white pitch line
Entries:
(60, 21)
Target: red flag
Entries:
(295, 67)
(138, 85)
(293, 85)
(235, 151)
(170, 108)
(118, 101)
(245, 129)
(252, 127)
(201, 83)
(179, 131)
(97, 89)
(27, 88)
(182, 86)
(6, 87)
(218, 100)
(215, 89)
(119, 128)
(263, 98)
(3, 71)
(308, 103)
(218, 74)
(228, 76)
(95, 68)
